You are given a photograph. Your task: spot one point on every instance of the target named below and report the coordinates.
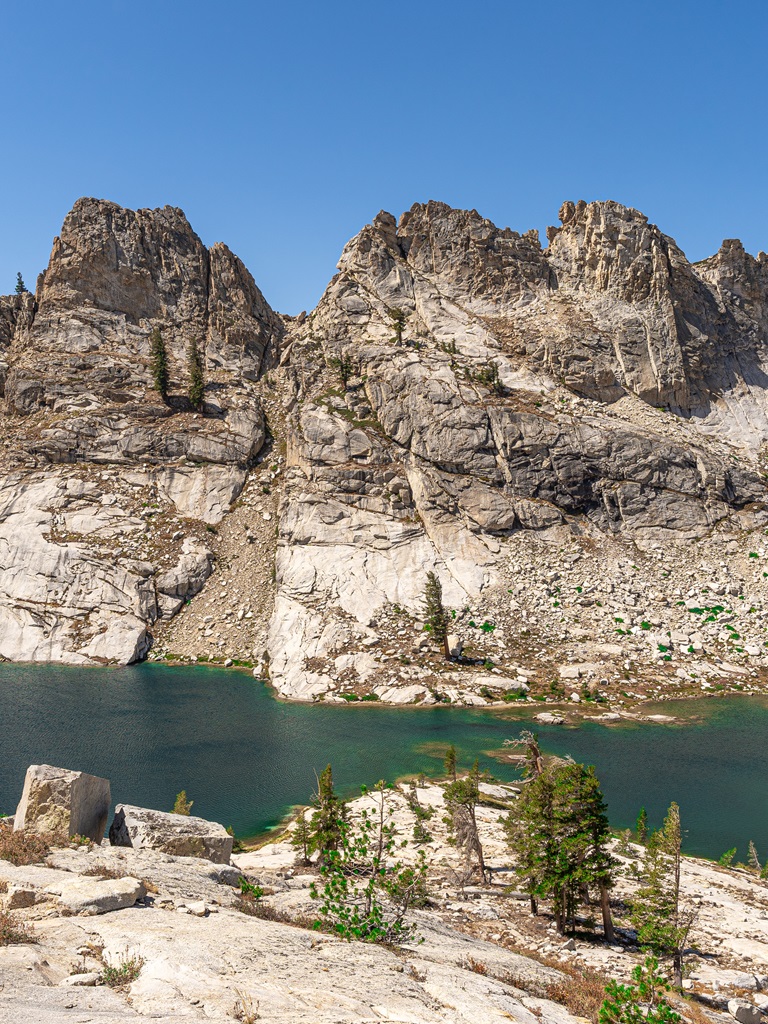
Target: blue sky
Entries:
(281, 129)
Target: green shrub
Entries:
(640, 1002)
(123, 973)
(249, 889)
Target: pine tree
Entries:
(182, 805)
(662, 922)
(326, 824)
(641, 828)
(641, 1002)
(343, 364)
(461, 799)
(158, 363)
(529, 835)
(449, 764)
(752, 859)
(196, 377)
(366, 893)
(398, 318)
(21, 288)
(559, 835)
(301, 839)
(435, 617)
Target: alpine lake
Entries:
(246, 758)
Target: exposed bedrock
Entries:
(457, 388)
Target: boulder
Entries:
(91, 896)
(86, 980)
(548, 718)
(744, 1012)
(55, 799)
(124, 641)
(455, 645)
(20, 897)
(180, 835)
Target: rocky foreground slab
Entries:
(185, 945)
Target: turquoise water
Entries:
(245, 758)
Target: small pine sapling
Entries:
(641, 1002)
(301, 839)
(365, 893)
(449, 764)
(641, 828)
(181, 804)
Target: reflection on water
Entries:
(245, 758)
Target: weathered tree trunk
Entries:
(534, 905)
(559, 908)
(677, 968)
(605, 906)
(446, 647)
(476, 845)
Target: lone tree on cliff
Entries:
(196, 376)
(435, 617)
(158, 363)
(21, 288)
(398, 317)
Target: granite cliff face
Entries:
(91, 451)
(462, 400)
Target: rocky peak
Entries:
(737, 276)
(606, 247)
(143, 264)
(114, 275)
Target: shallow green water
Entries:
(245, 757)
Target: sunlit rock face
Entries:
(462, 400)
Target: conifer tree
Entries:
(301, 839)
(181, 804)
(449, 764)
(158, 363)
(641, 828)
(435, 617)
(196, 377)
(661, 920)
(326, 824)
(398, 317)
(343, 364)
(21, 288)
(559, 835)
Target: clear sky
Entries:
(282, 128)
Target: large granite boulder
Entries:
(180, 835)
(91, 896)
(58, 800)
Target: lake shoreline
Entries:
(585, 709)
(248, 759)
